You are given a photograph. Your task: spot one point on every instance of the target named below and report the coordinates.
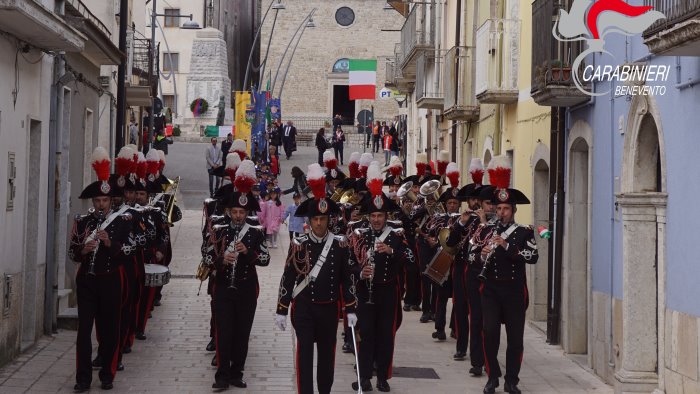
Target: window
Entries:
(169, 101)
(341, 66)
(171, 19)
(171, 61)
(345, 16)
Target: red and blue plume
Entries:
(354, 166)
(316, 181)
(100, 163)
(245, 177)
(499, 172)
(329, 160)
(123, 163)
(442, 162)
(452, 173)
(476, 169)
(375, 181)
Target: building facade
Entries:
(316, 82)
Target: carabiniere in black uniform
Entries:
(315, 303)
(99, 282)
(236, 288)
(504, 295)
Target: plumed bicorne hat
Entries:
(394, 172)
(499, 176)
(376, 200)
(476, 170)
(243, 184)
(319, 205)
(452, 175)
(333, 173)
(101, 187)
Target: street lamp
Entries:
(277, 6)
(310, 23)
(189, 25)
(306, 22)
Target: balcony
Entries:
(428, 94)
(403, 85)
(679, 33)
(389, 80)
(460, 101)
(416, 37)
(139, 57)
(99, 46)
(497, 58)
(552, 84)
(33, 23)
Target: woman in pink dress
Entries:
(271, 214)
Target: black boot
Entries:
(211, 346)
(97, 362)
(459, 356)
(511, 388)
(240, 383)
(476, 371)
(439, 335)
(366, 385)
(425, 317)
(213, 361)
(491, 385)
(383, 385)
(81, 387)
(106, 386)
(220, 385)
(140, 336)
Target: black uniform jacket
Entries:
(337, 270)
(387, 267)
(509, 264)
(107, 259)
(222, 235)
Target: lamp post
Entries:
(189, 25)
(310, 23)
(277, 6)
(306, 22)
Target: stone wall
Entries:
(681, 356)
(308, 90)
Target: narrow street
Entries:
(174, 359)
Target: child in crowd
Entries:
(271, 212)
(296, 224)
(274, 161)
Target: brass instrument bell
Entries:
(406, 192)
(442, 238)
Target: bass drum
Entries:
(439, 268)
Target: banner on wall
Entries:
(242, 126)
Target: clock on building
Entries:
(345, 16)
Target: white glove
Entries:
(352, 319)
(281, 321)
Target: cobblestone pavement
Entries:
(173, 358)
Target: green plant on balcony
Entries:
(561, 71)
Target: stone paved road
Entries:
(173, 358)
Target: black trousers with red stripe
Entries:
(413, 283)
(235, 311)
(315, 323)
(99, 302)
(504, 301)
(460, 305)
(428, 287)
(443, 294)
(128, 305)
(476, 319)
(377, 323)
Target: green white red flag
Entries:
(363, 79)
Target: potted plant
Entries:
(176, 131)
(561, 71)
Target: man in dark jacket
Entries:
(289, 137)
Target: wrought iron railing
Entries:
(676, 11)
(551, 58)
(415, 32)
(82, 10)
(457, 73)
(497, 55)
(427, 71)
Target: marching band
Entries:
(377, 246)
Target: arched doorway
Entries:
(643, 201)
(537, 274)
(576, 265)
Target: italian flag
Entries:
(363, 79)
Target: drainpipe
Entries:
(613, 207)
(556, 189)
(438, 41)
(458, 35)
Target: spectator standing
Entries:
(376, 135)
(274, 161)
(337, 122)
(387, 147)
(290, 139)
(226, 146)
(214, 161)
(395, 144)
(275, 136)
(321, 144)
(133, 133)
(296, 224)
(271, 216)
(338, 142)
(299, 183)
(161, 142)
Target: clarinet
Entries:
(232, 249)
(370, 261)
(100, 220)
(488, 260)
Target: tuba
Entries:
(348, 197)
(429, 191)
(406, 192)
